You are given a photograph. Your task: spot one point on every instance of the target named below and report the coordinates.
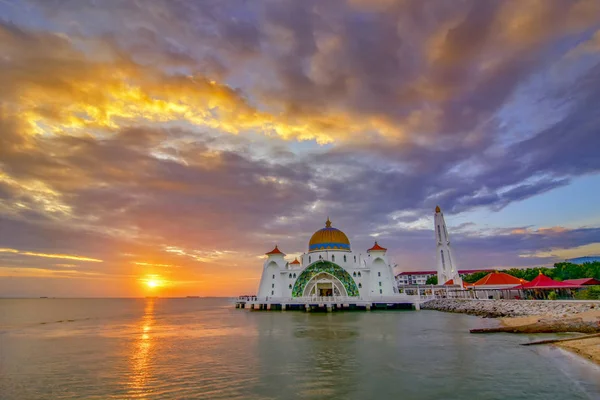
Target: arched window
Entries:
(272, 292)
(379, 283)
(273, 276)
(333, 257)
(272, 285)
(443, 260)
(439, 234)
(354, 258)
(294, 275)
(359, 275)
(360, 285)
(309, 259)
(320, 257)
(290, 276)
(380, 291)
(344, 258)
(290, 286)
(354, 274)
(378, 273)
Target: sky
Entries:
(161, 147)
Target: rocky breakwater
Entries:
(511, 308)
(523, 316)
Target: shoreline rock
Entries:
(525, 316)
(552, 309)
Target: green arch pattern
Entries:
(324, 266)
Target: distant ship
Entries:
(192, 297)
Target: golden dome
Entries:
(329, 238)
(438, 209)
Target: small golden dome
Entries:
(329, 238)
(438, 209)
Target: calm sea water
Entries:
(206, 349)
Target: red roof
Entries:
(544, 282)
(499, 278)
(583, 281)
(451, 282)
(418, 273)
(274, 251)
(295, 261)
(460, 271)
(377, 247)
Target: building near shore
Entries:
(329, 269)
(420, 277)
(497, 280)
(583, 281)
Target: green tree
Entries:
(432, 280)
(591, 293)
(474, 277)
(560, 272)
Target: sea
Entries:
(205, 348)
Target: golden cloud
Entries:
(54, 88)
(45, 255)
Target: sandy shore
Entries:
(588, 348)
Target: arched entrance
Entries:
(325, 285)
(333, 272)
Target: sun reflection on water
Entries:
(141, 359)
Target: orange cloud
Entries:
(60, 256)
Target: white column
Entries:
(446, 265)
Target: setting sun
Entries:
(153, 282)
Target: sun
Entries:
(153, 281)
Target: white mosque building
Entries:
(329, 269)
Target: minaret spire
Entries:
(446, 267)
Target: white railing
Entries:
(343, 299)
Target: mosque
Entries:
(329, 269)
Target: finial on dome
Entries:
(438, 209)
(328, 223)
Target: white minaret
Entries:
(446, 267)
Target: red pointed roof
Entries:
(295, 261)
(583, 281)
(274, 251)
(544, 282)
(377, 247)
(499, 278)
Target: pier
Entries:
(332, 303)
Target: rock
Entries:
(508, 308)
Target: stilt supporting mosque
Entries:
(331, 304)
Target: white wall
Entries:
(276, 281)
(381, 272)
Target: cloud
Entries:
(197, 134)
(61, 256)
